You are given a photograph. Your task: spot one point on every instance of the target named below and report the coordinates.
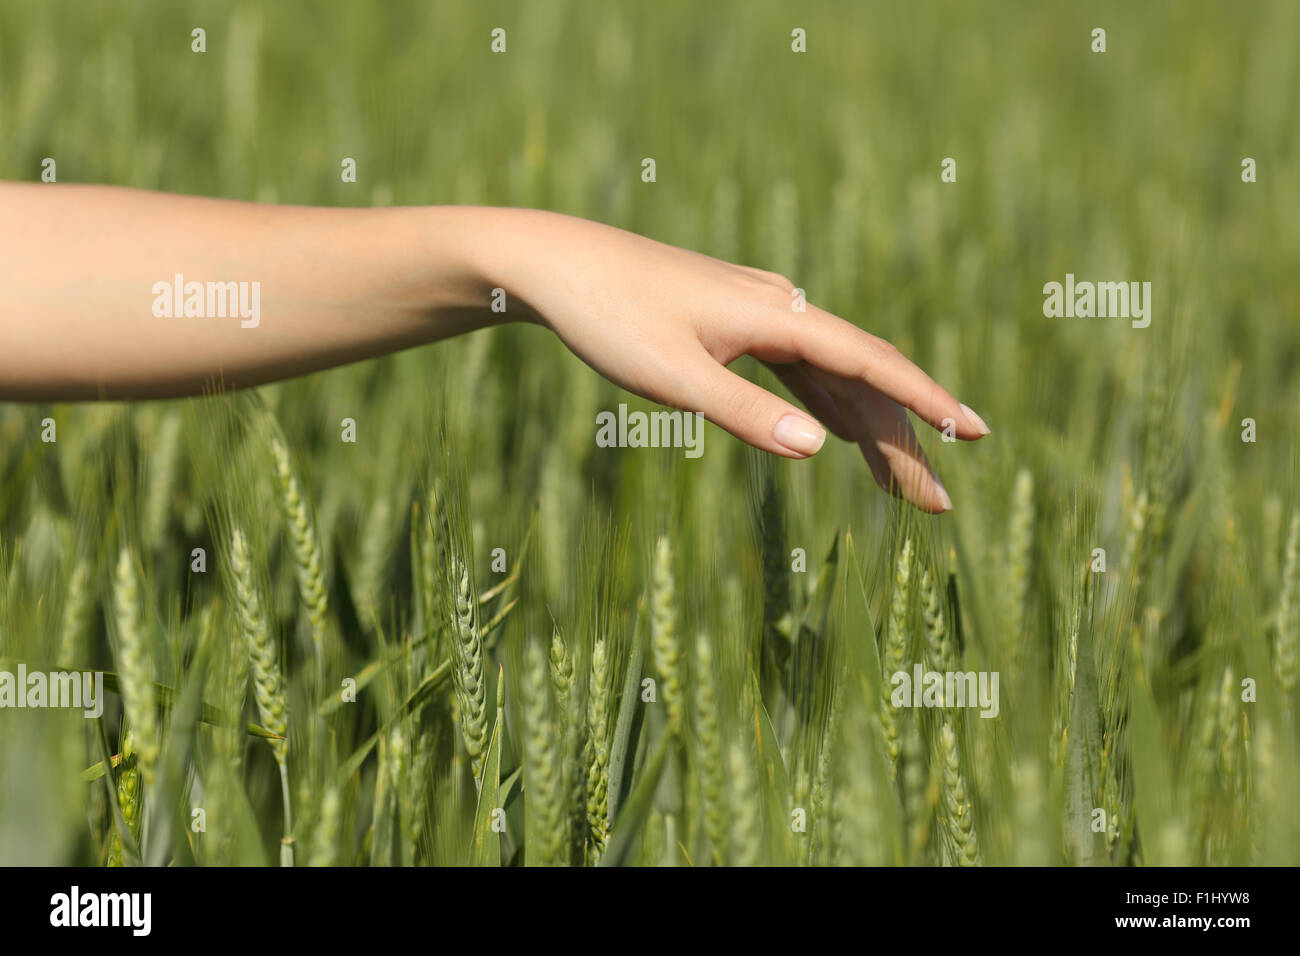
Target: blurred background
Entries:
(823, 165)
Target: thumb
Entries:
(752, 414)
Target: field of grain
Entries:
(472, 636)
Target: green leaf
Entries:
(972, 599)
(817, 607)
(627, 728)
(96, 769)
(168, 821)
(487, 843)
(628, 828)
(774, 785)
(865, 626)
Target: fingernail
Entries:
(799, 435)
(943, 494)
(975, 420)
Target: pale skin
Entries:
(78, 264)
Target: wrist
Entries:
(497, 252)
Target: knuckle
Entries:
(785, 284)
(878, 350)
(886, 348)
(759, 282)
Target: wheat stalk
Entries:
(561, 671)
(128, 798)
(895, 651)
(821, 782)
(914, 781)
(572, 721)
(663, 634)
(136, 665)
(936, 633)
(467, 659)
(78, 609)
(708, 746)
(1111, 799)
(597, 746)
(373, 564)
(1137, 540)
(162, 484)
(305, 545)
(379, 834)
(417, 787)
(433, 560)
(232, 687)
(327, 828)
(958, 812)
(746, 837)
(1068, 669)
(399, 764)
(542, 760)
(268, 683)
(1020, 539)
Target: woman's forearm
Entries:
(117, 293)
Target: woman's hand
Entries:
(666, 322)
(80, 314)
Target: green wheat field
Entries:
(471, 636)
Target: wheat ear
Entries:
(708, 743)
(306, 547)
(268, 682)
(663, 634)
(958, 812)
(896, 651)
(597, 745)
(746, 837)
(467, 659)
(136, 665)
(542, 768)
